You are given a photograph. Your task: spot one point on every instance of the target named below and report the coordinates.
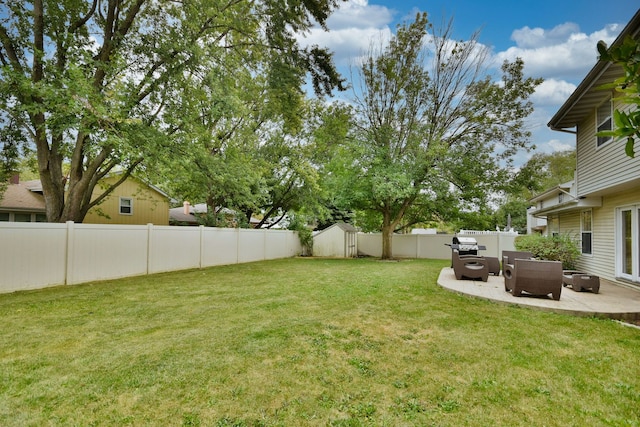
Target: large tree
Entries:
(90, 82)
(434, 125)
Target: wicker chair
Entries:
(533, 277)
(471, 267)
(512, 255)
(508, 258)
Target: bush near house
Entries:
(561, 247)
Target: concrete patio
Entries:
(613, 301)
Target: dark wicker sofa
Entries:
(533, 277)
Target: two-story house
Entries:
(601, 207)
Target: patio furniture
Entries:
(512, 255)
(580, 281)
(534, 277)
(494, 265)
(471, 267)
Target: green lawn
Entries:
(306, 342)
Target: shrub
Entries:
(304, 234)
(561, 247)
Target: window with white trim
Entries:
(586, 234)
(604, 121)
(126, 206)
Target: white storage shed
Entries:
(340, 240)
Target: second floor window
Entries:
(604, 121)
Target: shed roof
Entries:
(347, 228)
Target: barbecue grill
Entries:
(466, 245)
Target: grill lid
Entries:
(467, 241)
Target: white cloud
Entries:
(359, 14)
(562, 53)
(552, 92)
(353, 27)
(557, 145)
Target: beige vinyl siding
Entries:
(602, 261)
(148, 206)
(599, 168)
(570, 224)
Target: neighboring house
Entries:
(188, 214)
(22, 202)
(191, 215)
(132, 202)
(602, 206)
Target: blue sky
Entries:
(556, 39)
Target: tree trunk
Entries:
(387, 236)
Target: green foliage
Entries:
(627, 123)
(105, 84)
(542, 172)
(561, 247)
(298, 224)
(429, 124)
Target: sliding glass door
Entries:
(628, 243)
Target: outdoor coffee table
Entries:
(579, 280)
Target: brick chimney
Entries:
(186, 205)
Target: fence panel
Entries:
(32, 255)
(370, 244)
(434, 246)
(219, 246)
(174, 248)
(100, 252)
(278, 244)
(404, 245)
(251, 245)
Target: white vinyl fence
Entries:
(37, 255)
(434, 246)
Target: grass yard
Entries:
(302, 342)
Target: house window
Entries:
(628, 243)
(560, 197)
(587, 233)
(41, 218)
(553, 225)
(604, 121)
(21, 217)
(126, 206)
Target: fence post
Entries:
(201, 245)
(69, 250)
(149, 246)
(237, 245)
